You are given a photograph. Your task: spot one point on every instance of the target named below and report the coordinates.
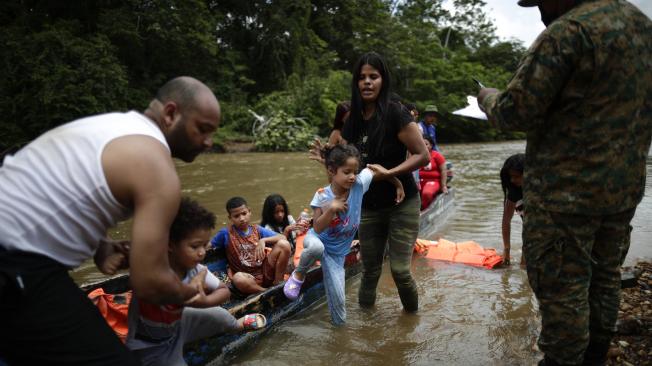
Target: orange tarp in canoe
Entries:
(468, 252)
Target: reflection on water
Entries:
(467, 316)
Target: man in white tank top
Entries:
(58, 197)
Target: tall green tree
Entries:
(65, 59)
(55, 75)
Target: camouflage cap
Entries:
(528, 3)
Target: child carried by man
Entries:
(158, 332)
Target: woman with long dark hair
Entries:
(341, 115)
(384, 132)
(511, 180)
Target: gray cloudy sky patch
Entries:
(513, 21)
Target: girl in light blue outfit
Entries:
(336, 217)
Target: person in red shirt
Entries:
(432, 177)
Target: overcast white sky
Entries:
(513, 21)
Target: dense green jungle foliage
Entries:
(65, 59)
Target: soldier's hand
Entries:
(482, 95)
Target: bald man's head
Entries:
(188, 113)
(183, 90)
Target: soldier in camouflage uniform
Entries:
(583, 95)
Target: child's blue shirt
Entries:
(339, 234)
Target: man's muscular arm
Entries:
(142, 177)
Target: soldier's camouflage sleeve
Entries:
(540, 77)
(582, 94)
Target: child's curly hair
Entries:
(190, 217)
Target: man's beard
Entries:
(181, 145)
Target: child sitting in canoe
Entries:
(250, 266)
(336, 217)
(276, 217)
(432, 177)
(158, 332)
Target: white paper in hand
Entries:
(471, 110)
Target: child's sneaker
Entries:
(292, 287)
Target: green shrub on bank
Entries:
(66, 60)
(282, 132)
(312, 98)
(227, 134)
(55, 75)
(236, 117)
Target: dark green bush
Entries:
(282, 132)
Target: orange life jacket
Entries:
(114, 308)
(468, 252)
